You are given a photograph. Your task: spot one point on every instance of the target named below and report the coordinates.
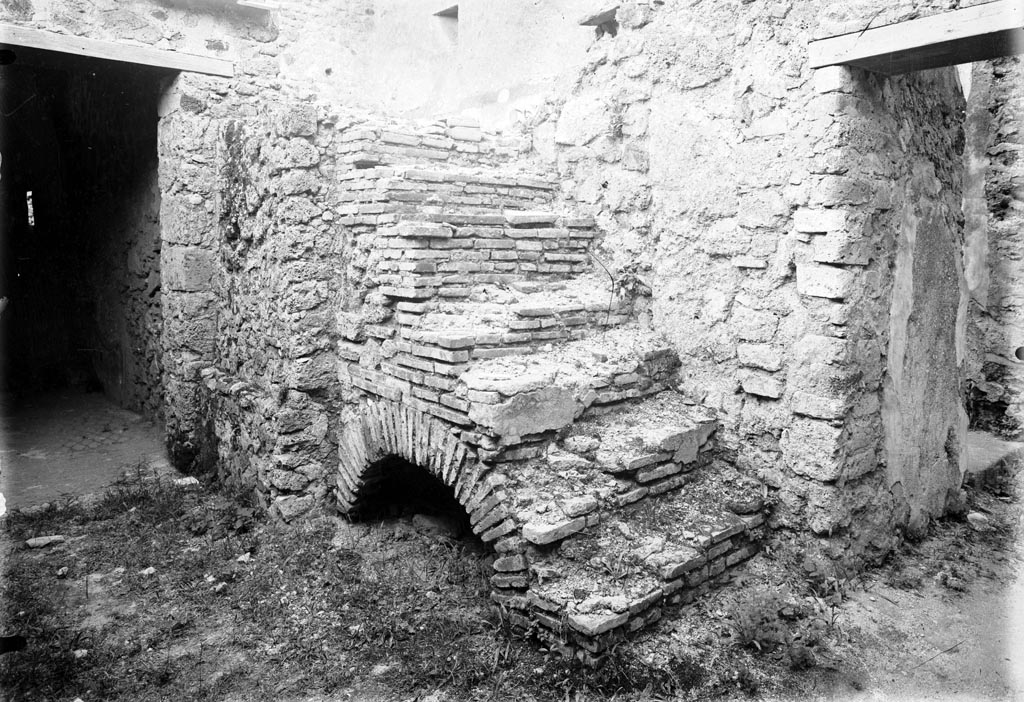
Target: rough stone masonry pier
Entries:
(631, 297)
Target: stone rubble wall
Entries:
(293, 207)
(994, 248)
(764, 204)
(798, 231)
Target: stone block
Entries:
(503, 529)
(647, 601)
(819, 221)
(583, 118)
(817, 406)
(465, 133)
(578, 506)
(439, 354)
(628, 498)
(662, 438)
(510, 564)
(297, 120)
(294, 153)
(595, 624)
(827, 509)
(741, 554)
(762, 386)
(673, 563)
(820, 349)
(522, 217)
(297, 210)
(653, 473)
(483, 396)
(507, 383)
(812, 448)
(839, 248)
(421, 230)
(673, 483)
(825, 281)
(754, 325)
(532, 412)
(541, 533)
(834, 190)
(763, 356)
(287, 480)
(505, 580)
(694, 438)
(187, 269)
(831, 79)
(642, 461)
(291, 506)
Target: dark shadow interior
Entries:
(79, 223)
(395, 487)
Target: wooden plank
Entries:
(15, 36)
(975, 33)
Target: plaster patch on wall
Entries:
(923, 420)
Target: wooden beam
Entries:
(975, 33)
(15, 36)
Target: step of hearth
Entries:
(502, 320)
(634, 451)
(517, 396)
(486, 396)
(417, 259)
(592, 588)
(405, 189)
(453, 141)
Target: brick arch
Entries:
(386, 428)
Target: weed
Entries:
(756, 621)
(629, 282)
(746, 680)
(48, 520)
(150, 503)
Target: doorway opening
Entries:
(79, 201)
(80, 329)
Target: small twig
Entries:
(868, 25)
(887, 599)
(938, 654)
(611, 293)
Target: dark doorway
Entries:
(79, 228)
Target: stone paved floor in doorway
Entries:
(70, 443)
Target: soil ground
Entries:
(69, 443)
(160, 591)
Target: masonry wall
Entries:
(496, 60)
(301, 200)
(799, 231)
(272, 391)
(994, 247)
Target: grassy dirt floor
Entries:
(159, 591)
